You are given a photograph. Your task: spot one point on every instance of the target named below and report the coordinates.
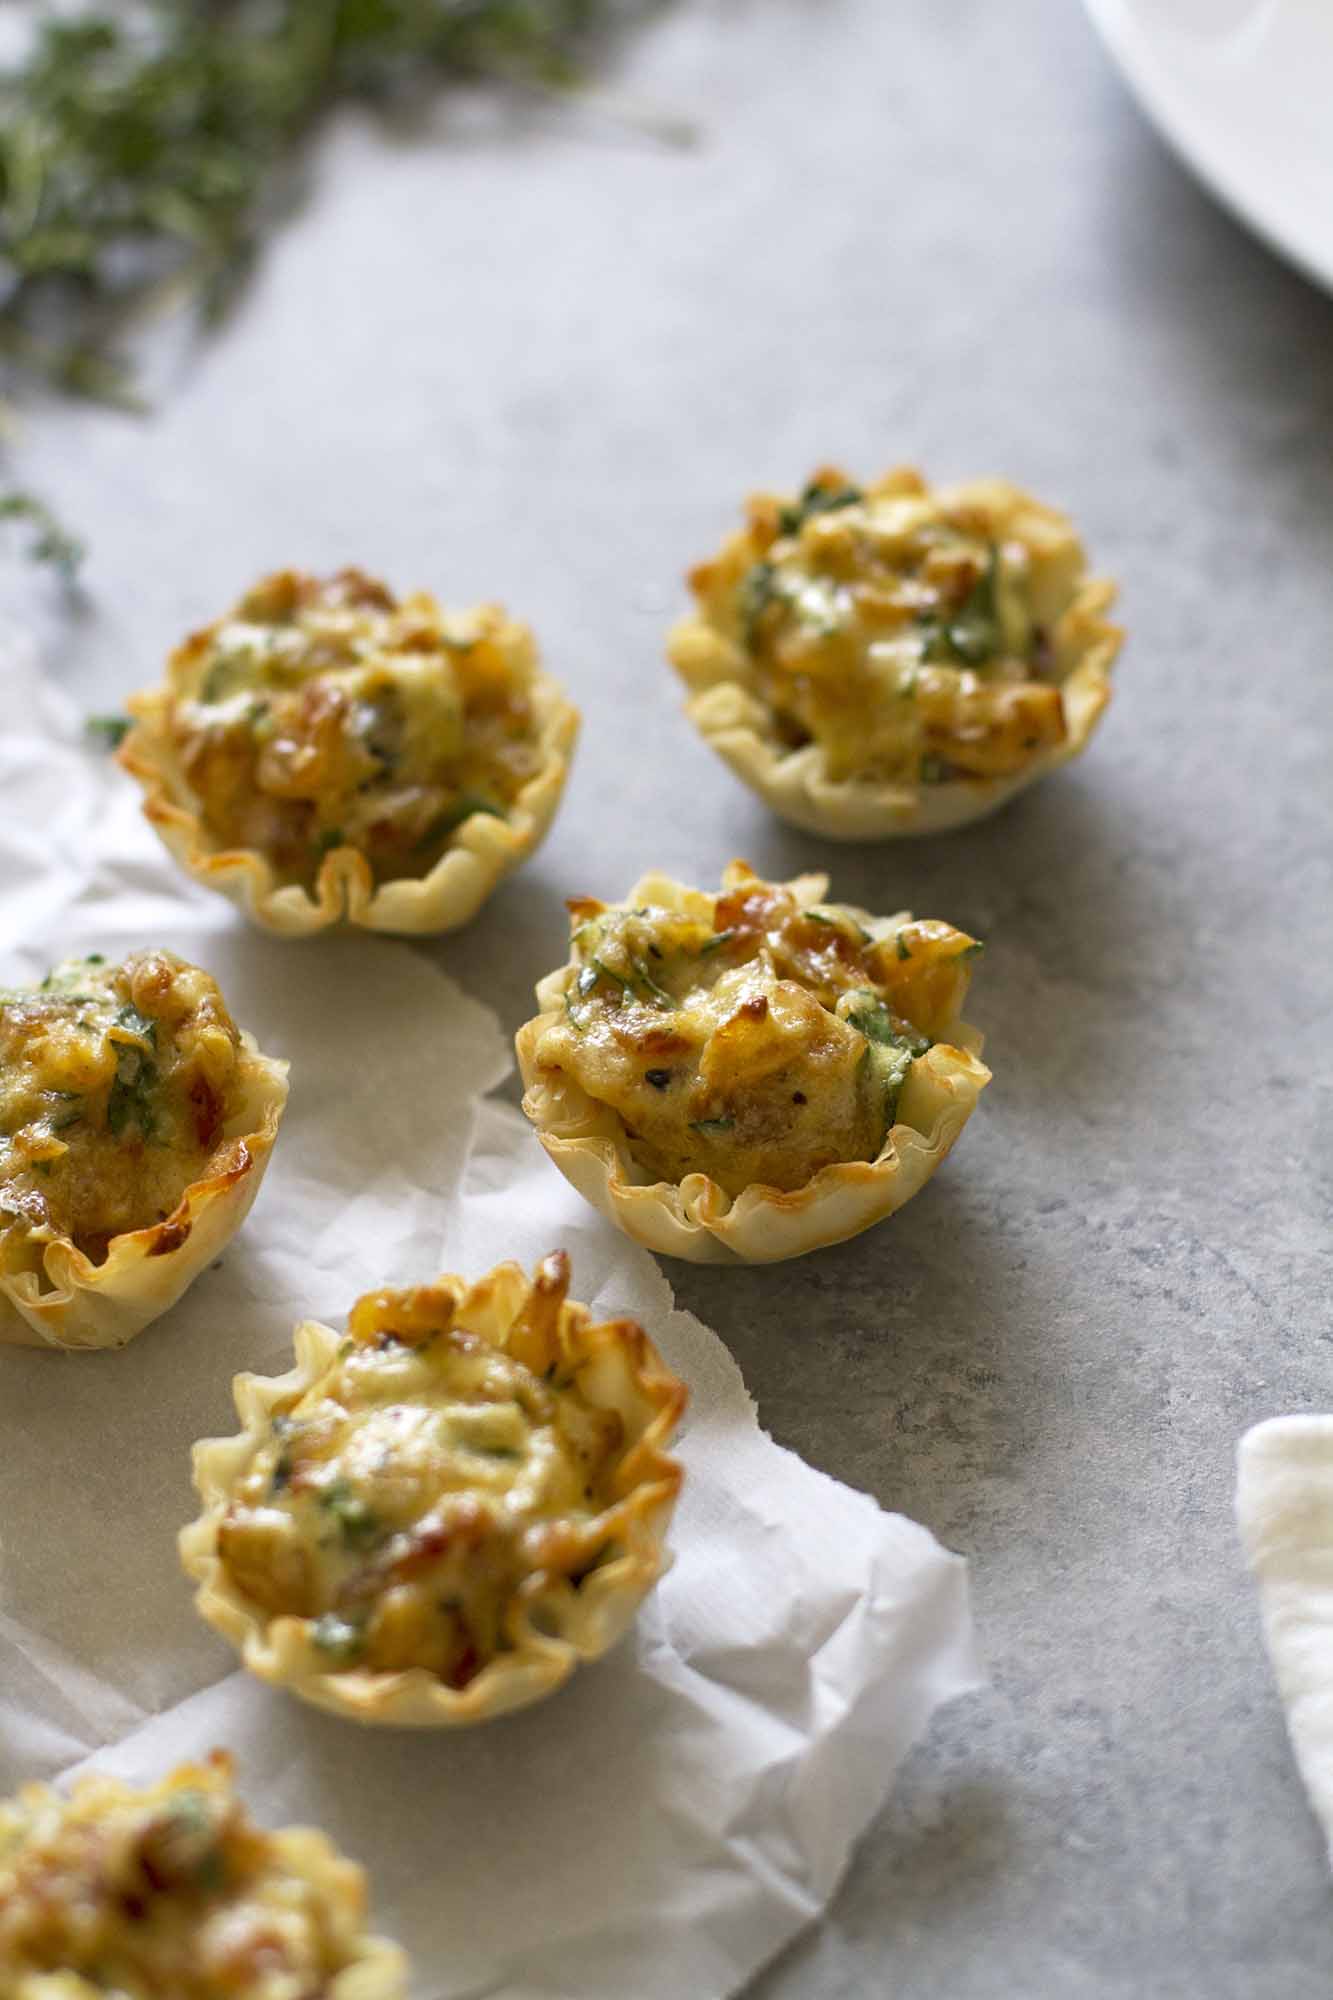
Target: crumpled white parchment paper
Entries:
(1284, 1504)
(662, 1825)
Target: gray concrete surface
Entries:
(540, 358)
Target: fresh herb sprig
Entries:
(147, 148)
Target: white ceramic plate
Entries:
(1244, 90)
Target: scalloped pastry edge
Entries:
(482, 849)
(379, 1969)
(697, 1220)
(74, 1304)
(795, 783)
(274, 1649)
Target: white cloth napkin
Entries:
(662, 1825)
(1284, 1503)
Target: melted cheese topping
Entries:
(916, 636)
(115, 1085)
(169, 1891)
(420, 1492)
(322, 714)
(758, 1040)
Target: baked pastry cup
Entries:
(136, 1124)
(436, 1518)
(897, 659)
(325, 754)
(175, 1890)
(752, 1074)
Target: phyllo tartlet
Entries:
(896, 659)
(173, 1893)
(326, 754)
(435, 1518)
(754, 1073)
(136, 1122)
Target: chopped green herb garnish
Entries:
(601, 970)
(68, 1118)
(872, 1018)
(331, 837)
(817, 499)
(51, 543)
(892, 1045)
(213, 687)
(337, 1637)
(138, 1024)
(904, 948)
(574, 1020)
(710, 1127)
(758, 589)
(715, 943)
(108, 730)
(463, 809)
(192, 1839)
(130, 1102)
(973, 950)
(357, 1524)
(838, 920)
(659, 993)
(973, 633)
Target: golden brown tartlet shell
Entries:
(482, 850)
(73, 1303)
(378, 1970)
(795, 783)
(696, 1219)
(628, 1372)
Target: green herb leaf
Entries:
(51, 543)
(601, 970)
(971, 634)
(337, 1637)
(817, 499)
(147, 150)
(108, 730)
(871, 1017)
(838, 920)
(138, 1024)
(658, 993)
(357, 1524)
(574, 1020)
(448, 822)
(712, 1127)
(758, 590)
